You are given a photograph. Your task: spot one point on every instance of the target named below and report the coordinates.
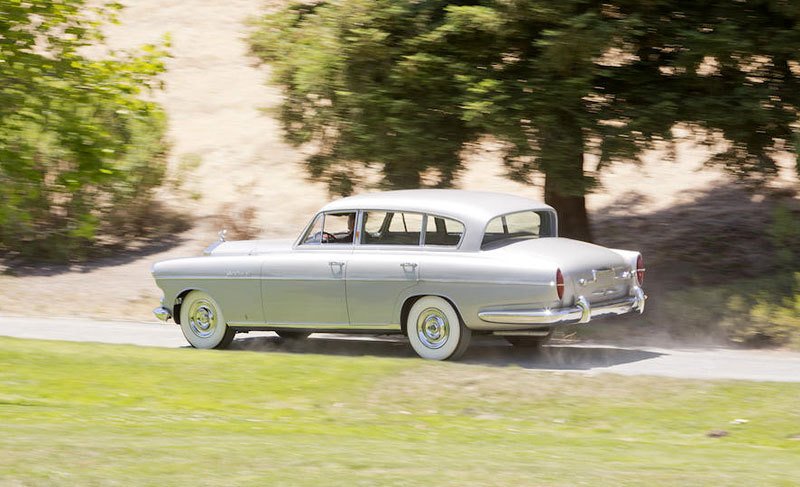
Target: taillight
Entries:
(640, 270)
(560, 284)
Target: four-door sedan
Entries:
(435, 265)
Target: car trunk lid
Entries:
(595, 272)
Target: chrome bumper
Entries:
(162, 313)
(582, 312)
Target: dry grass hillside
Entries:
(230, 168)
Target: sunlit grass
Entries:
(85, 414)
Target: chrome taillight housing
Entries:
(640, 270)
(560, 284)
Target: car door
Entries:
(307, 286)
(382, 266)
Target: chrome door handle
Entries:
(332, 263)
(408, 264)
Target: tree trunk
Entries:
(573, 221)
(565, 184)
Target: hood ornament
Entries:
(208, 250)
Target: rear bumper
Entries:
(581, 312)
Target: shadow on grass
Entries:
(483, 351)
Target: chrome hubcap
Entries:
(202, 318)
(433, 329)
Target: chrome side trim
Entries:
(364, 279)
(316, 326)
(581, 312)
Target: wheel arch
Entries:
(409, 302)
(176, 307)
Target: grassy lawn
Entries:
(87, 414)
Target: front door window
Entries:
(331, 228)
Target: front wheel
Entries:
(202, 322)
(435, 331)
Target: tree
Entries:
(405, 84)
(358, 86)
(80, 149)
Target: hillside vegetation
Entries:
(81, 149)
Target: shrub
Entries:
(80, 149)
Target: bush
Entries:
(772, 316)
(80, 150)
(763, 311)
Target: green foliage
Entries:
(403, 85)
(756, 312)
(360, 84)
(772, 315)
(80, 148)
(785, 236)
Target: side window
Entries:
(332, 228)
(391, 228)
(527, 222)
(339, 227)
(374, 221)
(314, 233)
(443, 231)
(497, 225)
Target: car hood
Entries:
(569, 255)
(252, 247)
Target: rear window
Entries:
(520, 225)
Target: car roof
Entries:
(471, 207)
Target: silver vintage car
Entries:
(436, 265)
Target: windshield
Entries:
(520, 225)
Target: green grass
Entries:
(87, 414)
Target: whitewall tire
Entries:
(202, 322)
(435, 331)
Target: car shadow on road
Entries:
(483, 351)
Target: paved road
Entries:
(590, 359)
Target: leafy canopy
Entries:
(405, 84)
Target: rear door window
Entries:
(391, 228)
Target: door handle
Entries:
(333, 263)
(405, 265)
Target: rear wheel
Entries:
(202, 322)
(435, 331)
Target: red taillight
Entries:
(640, 270)
(560, 284)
